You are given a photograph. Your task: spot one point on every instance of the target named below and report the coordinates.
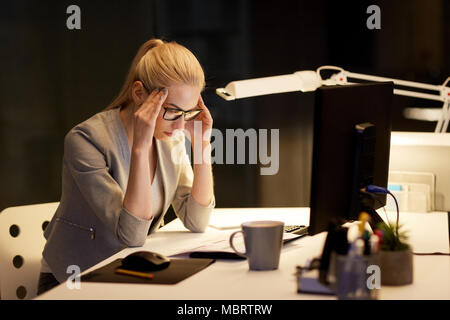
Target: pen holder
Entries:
(355, 277)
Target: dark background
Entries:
(53, 78)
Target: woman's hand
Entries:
(137, 200)
(206, 124)
(202, 186)
(145, 119)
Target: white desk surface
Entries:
(232, 280)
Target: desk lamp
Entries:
(310, 80)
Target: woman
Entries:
(125, 166)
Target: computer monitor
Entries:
(351, 143)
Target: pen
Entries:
(380, 235)
(363, 218)
(367, 245)
(135, 273)
(374, 243)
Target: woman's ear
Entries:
(138, 93)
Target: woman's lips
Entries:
(168, 133)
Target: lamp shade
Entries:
(299, 81)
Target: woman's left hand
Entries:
(206, 124)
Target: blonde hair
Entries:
(160, 64)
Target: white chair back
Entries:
(21, 244)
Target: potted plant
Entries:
(396, 261)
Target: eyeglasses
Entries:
(172, 114)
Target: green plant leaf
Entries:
(394, 238)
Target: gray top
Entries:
(91, 223)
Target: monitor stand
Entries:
(367, 204)
(375, 219)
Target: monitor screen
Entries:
(351, 143)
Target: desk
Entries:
(225, 280)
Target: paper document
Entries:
(221, 218)
(427, 232)
(222, 244)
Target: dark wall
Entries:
(53, 78)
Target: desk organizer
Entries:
(349, 278)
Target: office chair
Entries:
(21, 244)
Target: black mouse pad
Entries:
(178, 270)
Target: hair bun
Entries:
(150, 44)
(171, 63)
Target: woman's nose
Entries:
(179, 123)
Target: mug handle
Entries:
(242, 254)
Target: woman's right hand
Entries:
(145, 119)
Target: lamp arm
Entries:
(396, 81)
(342, 76)
(309, 80)
(404, 84)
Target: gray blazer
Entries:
(91, 223)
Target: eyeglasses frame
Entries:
(183, 113)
